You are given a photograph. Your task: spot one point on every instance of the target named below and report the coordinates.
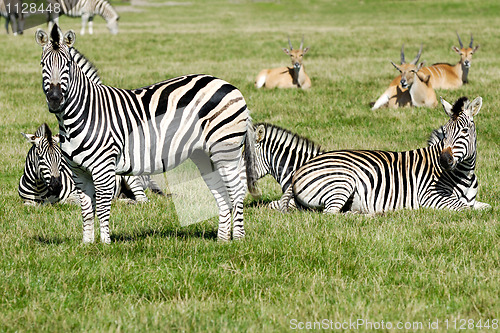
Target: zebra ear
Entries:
(260, 132)
(31, 138)
(55, 138)
(448, 108)
(41, 37)
(474, 107)
(69, 38)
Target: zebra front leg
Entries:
(86, 192)
(104, 183)
(91, 25)
(214, 182)
(85, 18)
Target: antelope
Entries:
(442, 76)
(286, 77)
(446, 76)
(398, 94)
(418, 85)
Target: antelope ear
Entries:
(475, 49)
(305, 50)
(396, 66)
(55, 138)
(475, 106)
(447, 107)
(260, 132)
(420, 66)
(41, 37)
(69, 38)
(31, 138)
(286, 51)
(456, 49)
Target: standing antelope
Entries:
(412, 87)
(286, 77)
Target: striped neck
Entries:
(106, 11)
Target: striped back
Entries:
(280, 152)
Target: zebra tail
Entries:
(250, 158)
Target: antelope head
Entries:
(465, 52)
(296, 55)
(408, 71)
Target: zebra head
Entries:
(55, 63)
(459, 133)
(47, 157)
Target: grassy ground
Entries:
(408, 266)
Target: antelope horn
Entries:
(302, 42)
(403, 54)
(418, 55)
(460, 41)
(471, 41)
(290, 43)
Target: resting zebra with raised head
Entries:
(438, 176)
(86, 9)
(106, 130)
(47, 177)
(280, 153)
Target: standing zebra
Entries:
(280, 153)
(47, 177)
(11, 10)
(87, 9)
(438, 176)
(106, 130)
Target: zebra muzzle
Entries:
(446, 159)
(54, 97)
(55, 186)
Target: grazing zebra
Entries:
(87, 9)
(280, 153)
(438, 176)
(106, 130)
(13, 14)
(47, 177)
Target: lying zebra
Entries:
(47, 177)
(279, 153)
(438, 176)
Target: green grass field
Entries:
(405, 266)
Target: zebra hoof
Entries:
(481, 205)
(88, 240)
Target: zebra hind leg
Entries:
(216, 185)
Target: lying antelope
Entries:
(442, 76)
(286, 77)
(412, 87)
(446, 76)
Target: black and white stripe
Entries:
(106, 130)
(86, 9)
(280, 153)
(438, 176)
(47, 178)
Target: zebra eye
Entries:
(465, 131)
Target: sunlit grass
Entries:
(157, 275)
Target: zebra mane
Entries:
(436, 136)
(85, 65)
(44, 131)
(300, 139)
(459, 107)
